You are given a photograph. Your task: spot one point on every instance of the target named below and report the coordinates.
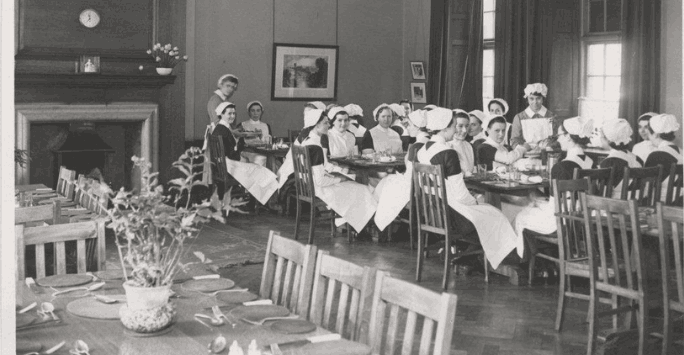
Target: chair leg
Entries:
(297, 219)
(349, 236)
(332, 224)
(486, 268)
(447, 262)
(593, 332)
(412, 236)
(560, 310)
(312, 222)
(530, 269)
(642, 316)
(667, 328)
(419, 257)
(389, 232)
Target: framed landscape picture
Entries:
(304, 72)
(418, 70)
(418, 93)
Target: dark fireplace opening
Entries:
(84, 151)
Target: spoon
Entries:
(90, 288)
(212, 320)
(49, 351)
(218, 344)
(105, 299)
(80, 348)
(262, 321)
(48, 308)
(219, 291)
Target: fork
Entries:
(219, 315)
(261, 322)
(219, 291)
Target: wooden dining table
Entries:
(494, 188)
(30, 187)
(364, 167)
(272, 155)
(186, 335)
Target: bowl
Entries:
(148, 320)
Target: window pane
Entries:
(595, 59)
(596, 21)
(613, 58)
(489, 5)
(612, 88)
(614, 8)
(595, 87)
(488, 25)
(488, 62)
(488, 87)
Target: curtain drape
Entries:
(437, 87)
(522, 51)
(471, 84)
(640, 83)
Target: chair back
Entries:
(59, 234)
(80, 190)
(642, 185)
(292, 134)
(674, 185)
(617, 266)
(340, 288)
(47, 212)
(430, 199)
(412, 301)
(302, 173)
(287, 277)
(671, 233)
(218, 159)
(572, 242)
(602, 180)
(66, 182)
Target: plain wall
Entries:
(671, 61)
(376, 39)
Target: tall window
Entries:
(488, 34)
(602, 50)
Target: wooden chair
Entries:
(673, 196)
(401, 295)
(671, 232)
(617, 265)
(66, 185)
(642, 184)
(94, 198)
(432, 214)
(47, 212)
(303, 177)
(59, 234)
(287, 277)
(410, 208)
(219, 168)
(354, 281)
(602, 180)
(292, 134)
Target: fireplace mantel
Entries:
(93, 80)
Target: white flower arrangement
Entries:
(166, 56)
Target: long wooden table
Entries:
(272, 155)
(494, 189)
(187, 336)
(363, 168)
(31, 187)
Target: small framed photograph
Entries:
(418, 70)
(89, 64)
(418, 93)
(304, 72)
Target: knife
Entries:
(309, 340)
(202, 277)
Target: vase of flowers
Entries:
(166, 57)
(151, 228)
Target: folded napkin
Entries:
(324, 337)
(258, 303)
(536, 179)
(204, 277)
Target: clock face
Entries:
(89, 18)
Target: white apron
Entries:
(341, 144)
(542, 218)
(351, 200)
(386, 139)
(393, 194)
(206, 166)
(494, 231)
(632, 162)
(665, 147)
(537, 128)
(465, 155)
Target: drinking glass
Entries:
(482, 170)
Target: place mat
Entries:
(89, 307)
(25, 319)
(27, 346)
(208, 285)
(236, 297)
(293, 326)
(148, 335)
(112, 274)
(67, 280)
(258, 313)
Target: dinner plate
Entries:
(67, 280)
(89, 307)
(259, 313)
(112, 274)
(208, 285)
(293, 326)
(24, 319)
(27, 346)
(529, 182)
(236, 297)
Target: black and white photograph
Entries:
(89, 64)
(302, 72)
(417, 71)
(418, 93)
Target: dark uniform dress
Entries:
(619, 160)
(231, 146)
(665, 155)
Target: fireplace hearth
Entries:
(83, 150)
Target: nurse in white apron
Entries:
(499, 107)
(351, 200)
(255, 110)
(645, 147)
(342, 142)
(258, 180)
(465, 151)
(536, 122)
(573, 135)
(616, 133)
(494, 232)
(394, 191)
(355, 119)
(492, 151)
(382, 138)
(664, 128)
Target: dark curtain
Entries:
(640, 84)
(522, 52)
(437, 87)
(471, 84)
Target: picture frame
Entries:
(88, 64)
(418, 70)
(418, 94)
(304, 72)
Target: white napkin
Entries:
(536, 179)
(325, 337)
(258, 303)
(204, 277)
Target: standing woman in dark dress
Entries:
(664, 127)
(617, 134)
(536, 122)
(227, 86)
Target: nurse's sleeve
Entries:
(367, 141)
(509, 157)
(517, 132)
(212, 104)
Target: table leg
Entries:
(493, 198)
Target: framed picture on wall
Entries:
(89, 64)
(418, 93)
(418, 70)
(304, 72)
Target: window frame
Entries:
(488, 44)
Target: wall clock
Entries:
(89, 18)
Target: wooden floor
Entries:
(494, 318)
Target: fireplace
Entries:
(83, 151)
(128, 128)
